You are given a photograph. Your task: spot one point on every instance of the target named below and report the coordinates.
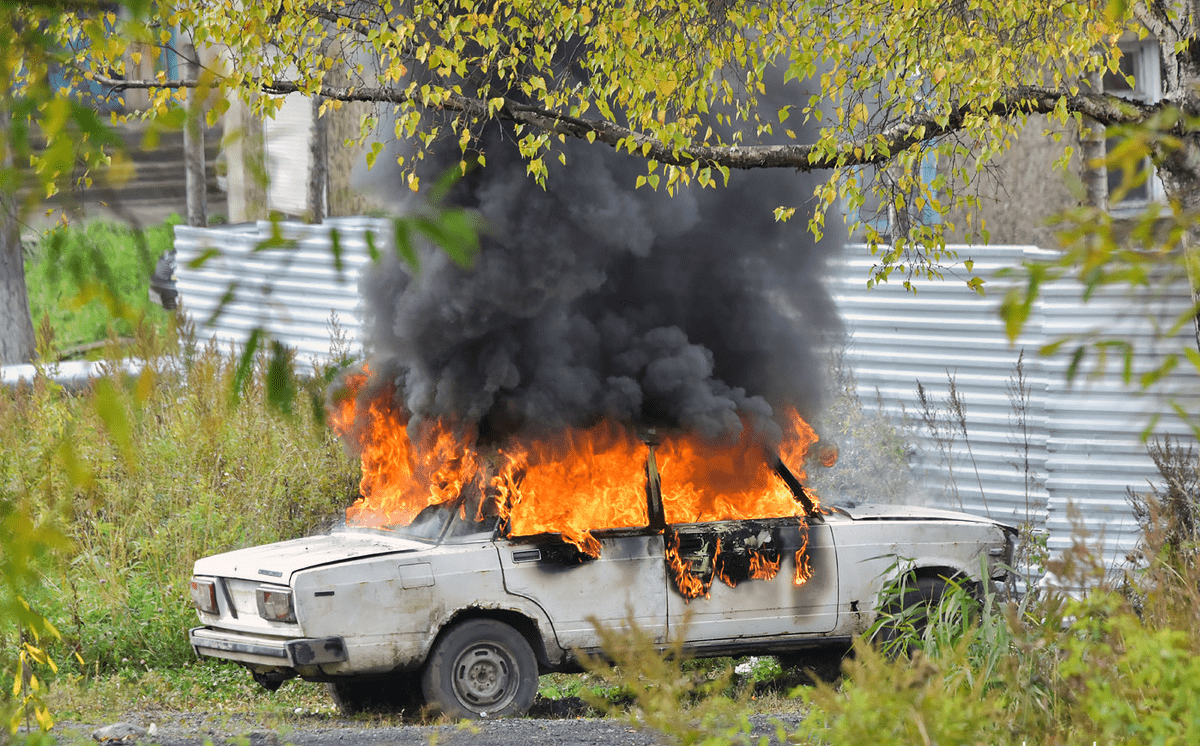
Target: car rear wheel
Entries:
(396, 693)
(481, 668)
(904, 619)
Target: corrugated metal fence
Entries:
(286, 282)
(1037, 458)
(1060, 458)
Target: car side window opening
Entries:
(733, 550)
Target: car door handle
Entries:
(527, 555)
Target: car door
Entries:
(627, 581)
(774, 607)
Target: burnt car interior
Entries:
(735, 551)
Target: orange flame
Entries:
(798, 438)
(689, 585)
(803, 567)
(704, 482)
(576, 483)
(762, 568)
(583, 481)
(400, 478)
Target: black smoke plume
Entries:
(592, 299)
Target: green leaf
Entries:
(1076, 359)
(111, 410)
(372, 248)
(1015, 311)
(281, 388)
(226, 298)
(453, 230)
(76, 468)
(245, 366)
(1193, 356)
(335, 248)
(203, 258)
(1150, 377)
(402, 237)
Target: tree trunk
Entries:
(1180, 175)
(193, 151)
(1179, 167)
(17, 343)
(16, 328)
(318, 173)
(1092, 148)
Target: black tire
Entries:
(909, 614)
(396, 693)
(481, 668)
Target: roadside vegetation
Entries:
(188, 471)
(113, 490)
(112, 263)
(120, 505)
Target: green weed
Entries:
(89, 284)
(192, 472)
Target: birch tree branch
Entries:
(870, 149)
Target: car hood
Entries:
(276, 562)
(873, 512)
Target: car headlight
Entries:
(275, 604)
(204, 594)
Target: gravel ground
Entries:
(203, 729)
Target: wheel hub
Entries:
(483, 678)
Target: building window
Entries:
(882, 215)
(1140, 62)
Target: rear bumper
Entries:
(274, 652)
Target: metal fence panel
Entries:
(292, 291)
(1095, 446)
(942, 332)
(1084, 438)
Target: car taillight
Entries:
(204, 595)
(275, 604)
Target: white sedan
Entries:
(452, 613)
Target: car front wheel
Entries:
(481, 668)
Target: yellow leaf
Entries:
(43, 717)
(667, 85)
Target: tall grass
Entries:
(68, 266)
(197, 472)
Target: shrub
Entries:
(148, 474)
(71, 270)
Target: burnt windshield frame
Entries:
(798, 491)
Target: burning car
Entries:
(458, 580)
